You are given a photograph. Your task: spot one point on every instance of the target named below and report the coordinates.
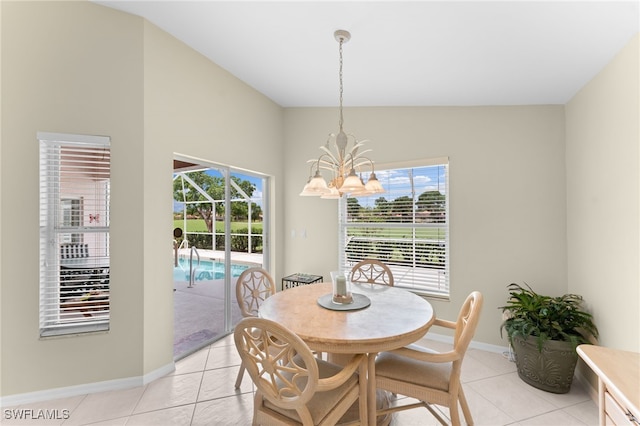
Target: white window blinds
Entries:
(74, 233)
(407, 227)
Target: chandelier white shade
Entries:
(342, 157)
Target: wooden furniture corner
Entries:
(618, 383)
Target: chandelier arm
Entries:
(361, 162)
(313, 163)
(330, 154)
(327, 165)
(361, 153)
(351, 164)
(373, 169)
(356, 147)
(321, 163)
(357, 144)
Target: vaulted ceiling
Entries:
(402, 53)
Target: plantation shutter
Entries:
(407, 227)
(74, 233)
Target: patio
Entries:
(199, 310)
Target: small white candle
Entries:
(341, 286)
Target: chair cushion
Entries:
(420, 373)
(322, 402)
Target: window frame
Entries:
(432, 281)
(74, 251)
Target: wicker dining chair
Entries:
(254, 286)
(293, 387)
(371, 271)
(429, 376)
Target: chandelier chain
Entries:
(341, 87)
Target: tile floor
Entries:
(200, 392)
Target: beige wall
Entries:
(507, 186)
(1, 198)
(68, 68)
(76, 67)
(194, 108)
(603, 187)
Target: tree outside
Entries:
(201, 196)
(430, 206)
(207, 202)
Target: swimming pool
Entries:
(206, 270)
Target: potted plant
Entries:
(544, 332)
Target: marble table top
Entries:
(395, 318)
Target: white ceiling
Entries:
(414, 53)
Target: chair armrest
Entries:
(421, 353)
(444, 323)
(424, 354)
(345, 374)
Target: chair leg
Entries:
(454, 413)
(362, 401)
(239, 378)
(436, 414)
(465, 408)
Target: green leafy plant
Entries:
(528, 313)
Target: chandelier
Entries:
(341, 156)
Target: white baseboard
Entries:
(71, 391)
(593, 392)
(160, 372)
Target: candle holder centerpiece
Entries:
(341, 289)
(341, 298)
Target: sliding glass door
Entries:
(218, 214)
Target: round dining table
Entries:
(394, 318)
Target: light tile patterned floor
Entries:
(200, 392)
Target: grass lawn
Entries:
(397, 233)
(198, 225)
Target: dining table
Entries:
(382, 318)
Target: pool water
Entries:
(206, 270)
